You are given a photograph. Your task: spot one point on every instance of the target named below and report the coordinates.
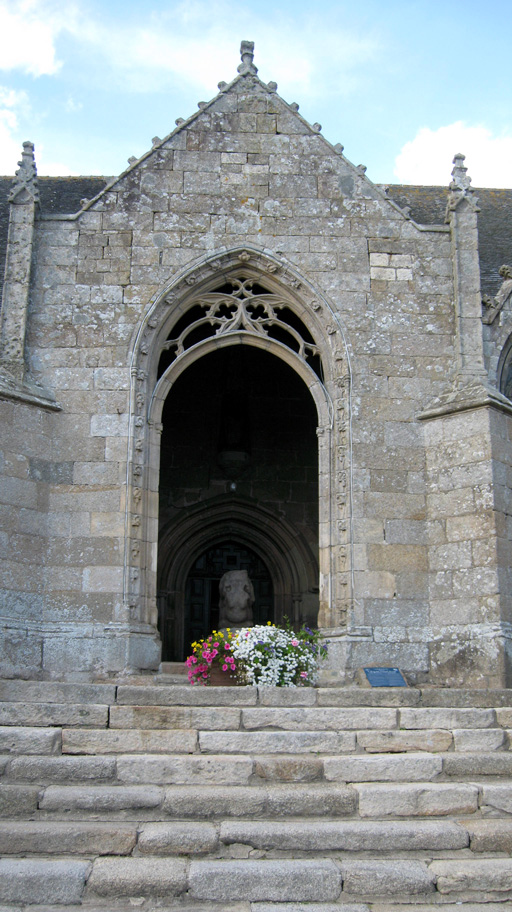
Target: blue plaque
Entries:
(385, 677)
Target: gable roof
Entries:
(427, 204)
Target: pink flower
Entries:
(224, 668)
(303, 674)
(295, 642)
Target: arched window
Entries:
(505, 372)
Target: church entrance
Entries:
(238, 490)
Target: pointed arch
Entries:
(292, 565)
(330, 389)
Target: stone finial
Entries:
(461, 179)
(339, 148)
(460, 185)
(24, 188)
(272, 86)
(247, 55)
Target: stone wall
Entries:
(27, 468)
(409, 520)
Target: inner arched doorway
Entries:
(238, 485)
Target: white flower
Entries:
(275, 657)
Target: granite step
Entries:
(136, 740)
(270, 761)
(163, 796)
(44, 837)
(237, 715)
(304, 880)
(269, 799)
(54, 741)
(45, 715)
(184, 802)
(155, 688)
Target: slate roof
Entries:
(428, 206)
(61, 195)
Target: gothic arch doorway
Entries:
(249, 300)
(238, 490)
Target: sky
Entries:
(402, 84)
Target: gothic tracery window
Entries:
(241, 305)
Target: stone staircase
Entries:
(158, 796)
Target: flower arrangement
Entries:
(266, 655)
(277, 656)
(214, 652)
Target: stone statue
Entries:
(236, 600)
(494, 305)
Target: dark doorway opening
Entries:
(239, 428)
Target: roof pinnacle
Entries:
(24, 186)
(461, 179)
(460, 186)
(247, 55)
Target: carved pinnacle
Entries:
(25, 188)
(247, 55)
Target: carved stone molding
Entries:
(249, 296)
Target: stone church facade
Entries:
(243, 354)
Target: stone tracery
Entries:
(249, 307)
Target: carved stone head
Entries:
(236, 599)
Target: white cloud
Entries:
(198, 41)
(51, 168)
(71, 106)
(28, 31)
(427, 158)
(14, 105)
(11, 102)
